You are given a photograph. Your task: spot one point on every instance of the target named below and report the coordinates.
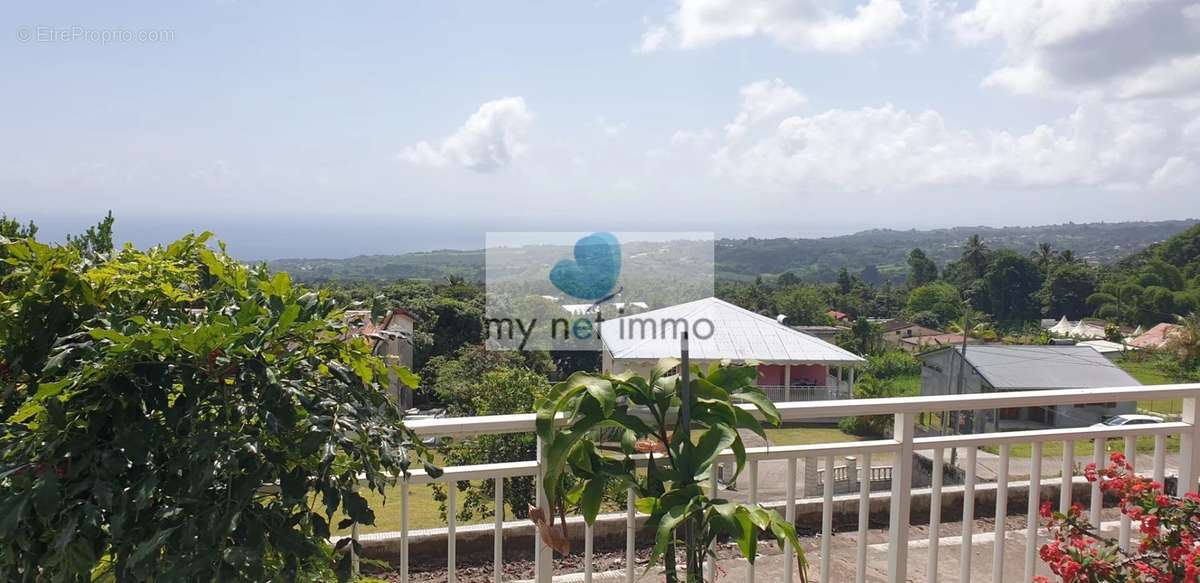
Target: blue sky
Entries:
(304, 129)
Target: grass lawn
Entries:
(808, 435)
(1149, 373)
(815, 435)
(1054, 449)
(908, 385)
(423, 510)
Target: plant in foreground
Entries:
(644, 411)
(1169, 550)
(174, 415)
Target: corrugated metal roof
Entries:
(1046, 367)
(737, 334)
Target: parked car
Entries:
(1128, 419)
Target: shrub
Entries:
(893, 364)
(175, 415)
(1170, 528)
(870, 387)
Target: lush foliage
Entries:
(893, 363)
(870, 387)
(670, 491)
(496, 392)
(1169, 549)
(175, 415)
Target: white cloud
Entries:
(490, 139)
(1100, 145)
(1121, 48)
(764, 100)
(610, 128)
(797, 24)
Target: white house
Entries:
(792, 365)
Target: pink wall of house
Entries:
(803, 374)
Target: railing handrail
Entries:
(794, 411)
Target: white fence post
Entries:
(901, 499)
(543, 555)
(1189, 447)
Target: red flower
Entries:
(1047, 509)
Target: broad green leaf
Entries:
(593, 495)
(714, 440)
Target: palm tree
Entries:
(975, 254)
(1067, 256)
(971, 322)
(1044, 256)
(1185, 341)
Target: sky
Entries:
(327, 129)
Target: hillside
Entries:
(812, 259)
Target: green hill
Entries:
(811, 259)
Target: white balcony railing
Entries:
(783, 394)
(900, 448)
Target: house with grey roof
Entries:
(996, 368)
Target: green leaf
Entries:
(712, 442)
(593, 495)
(760, 400)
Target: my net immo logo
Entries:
(566, 290)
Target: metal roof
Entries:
(737, 334)
(1046, 367)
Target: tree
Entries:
(787, 278)
(844, 282)
(1116, 301)
(11, 228)
(1044, 257)
(921, 269)
(1011, 281)
(802, 305)
(1066, 291)
(670, 490)
(1185, 342)
(174, 414)
(863, 337)
(97, 240)
(938, 298)
(976, 255)
(870, 387)
(498, 392)
(870, 274)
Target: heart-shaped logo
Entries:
(594, 271)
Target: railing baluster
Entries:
(451, 526)
(864, 518)
(498, 536)
(630, 534)
(1033, 516)
(712, 486)
(404, 531)
(587, 553)
(1160, 458)
(543, 555)
(1068, 476)
(789, 554)
(968, 517)
(752, 467)
(1001, 515)
(1126, 523)
(827, 520)
(1097, 497)
(353, 552)
(1189, 447)
(935, 520)
(902, 432)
